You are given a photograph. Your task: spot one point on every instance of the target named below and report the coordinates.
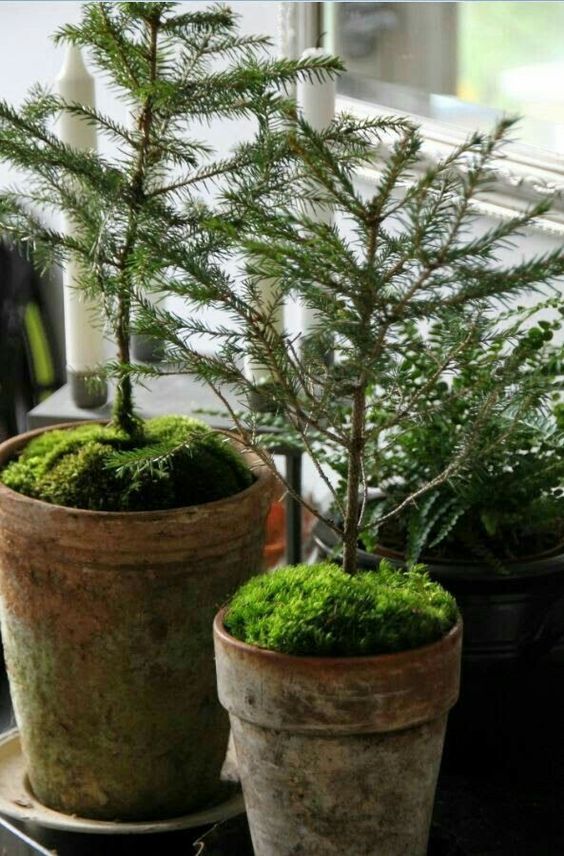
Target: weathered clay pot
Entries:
(338, 755)
(106, 626)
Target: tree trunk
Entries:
(123, 415)
(354, 478)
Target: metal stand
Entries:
(294, 510)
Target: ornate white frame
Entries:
(524, 175)
(298, 27)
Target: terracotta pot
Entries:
(106, 621)
(338, 755)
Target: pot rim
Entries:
(262, 475)
(527, 566)
(362, 660)
(528, 559)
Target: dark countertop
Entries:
(500, 793)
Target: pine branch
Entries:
(433, 367)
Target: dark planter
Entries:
(511, 623)
(508, 618)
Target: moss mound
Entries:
(179, 462)
(318, 610)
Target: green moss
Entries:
(179, 462)
(319, 610)
(204, 469)
(173, 429)
(78, 478)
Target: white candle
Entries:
(266, 288)
(316, 100)
(84, 339)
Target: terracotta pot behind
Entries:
(106, 628)
(338, 755)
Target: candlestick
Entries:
(84, 341)
(316, 100)
(317, 97)
(257, 373)
(144, 348)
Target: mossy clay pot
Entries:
(338, 755)
(106, 625)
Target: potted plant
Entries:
(409, 299)
(399, 264)
(338, 689)
(492, 534)
(118, 542)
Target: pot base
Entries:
(18, 801)
(370, 793)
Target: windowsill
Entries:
(534, 137)
(524, 174)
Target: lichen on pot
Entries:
(177, 461)
(106, 630)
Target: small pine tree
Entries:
(175, 69)
(400, 263)
(403, 285)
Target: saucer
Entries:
(18, 802)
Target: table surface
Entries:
(180, 394)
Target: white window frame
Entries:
(524, 175)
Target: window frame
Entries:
(522, 177)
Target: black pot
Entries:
(510, 618)
(511, 623)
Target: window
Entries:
(461, 63)
(455, 66)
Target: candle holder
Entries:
(88, 390)
(146, 349)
